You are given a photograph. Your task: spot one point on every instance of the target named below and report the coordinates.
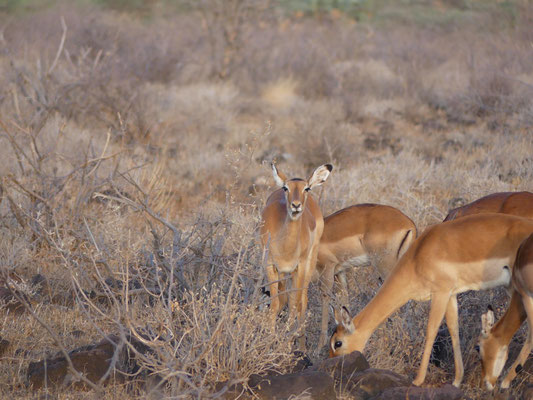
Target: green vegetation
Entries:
(135, 140)
(406, 11)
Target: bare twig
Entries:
(61, 44)
(56, 340)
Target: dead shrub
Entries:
(134, 153)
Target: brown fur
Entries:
(371, 234)
(473, 252)
(521, 307)
(512, 203)
(291, 228)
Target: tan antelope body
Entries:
(494, 342)
(360, 236)
(512, 203)
(291, 228)
(470, 253)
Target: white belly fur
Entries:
(499, 274)
(359, 261)
(288, 266)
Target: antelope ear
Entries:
(487, 322)
(320, 175)
(279, 177)
(342, 317)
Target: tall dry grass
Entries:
(133, 154)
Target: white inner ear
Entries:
(337, 316)
(347, 321)
(487, 321)
(484, 324)
(319, 176)
(350, 327)
(277, 178)
(490, 318)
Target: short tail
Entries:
(409, 236)
(452, 214)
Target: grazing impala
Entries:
(470, 253)
(512, 203)
(359, 236)
(291, 229)
(494, 341)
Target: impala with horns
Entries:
(360, 236)
(512, 203)
(292, 225)
(470, 253)
(494, 340)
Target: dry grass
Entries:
(133, 170)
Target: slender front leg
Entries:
(272, 275)
(439, 302)
(303, 309)
(298, 294)
(294, 295)
(282, 291)
(526, 348)
(308, 273)
(522, 357)
(326, 286)
(453, 327)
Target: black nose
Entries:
(296, 205)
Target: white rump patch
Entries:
(359, 261)
(494, 274)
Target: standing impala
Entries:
(494, 341)
(291, 229)
(360, 236)
(470, 253)
(512, 203)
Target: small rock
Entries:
(343, 367)
(446, 392)
(317, 384)
(527, 393)
(114, 283)
(22, 353)
(53, 291)
(302, 362)
(92, 361)
(371, 382)
(4, 344)
(9, 302)
(65, 299)
(232, 392)
(40, 283)
(527, 368)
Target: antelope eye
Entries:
(307, 189)
(337, 344)
(476, 348)
(285, 188)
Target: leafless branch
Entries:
(61, 44)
